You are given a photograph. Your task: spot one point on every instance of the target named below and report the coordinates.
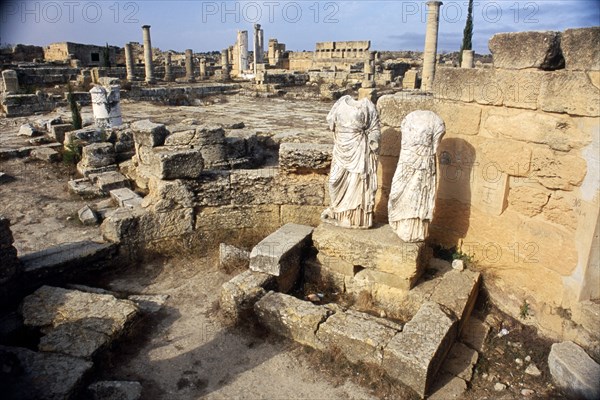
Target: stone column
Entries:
(256, 56)
(168, 73)
(369, 70)
(431, 40)
(242, 44)
(468, 59)
(11, 81)
(148, 54)
(261, 46)
(129, 66)
(189, 65)
(202, 68)
(106, 106)
(225, 64)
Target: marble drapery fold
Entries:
(412, 196)
(353, 175)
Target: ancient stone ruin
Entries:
(260, 222)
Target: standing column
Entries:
(202, 68)
(189, 65)
(261, 46)
(129, 62)
(225, 64)
(256, 33)
(148, 54)
(242, 44)
(369, 71)
(168, 73)
(431, 40)
(468, 59)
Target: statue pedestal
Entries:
(373, 256)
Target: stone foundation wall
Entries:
(518, 176)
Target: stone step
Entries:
(108, 181)
(62, 261)
(125, 197)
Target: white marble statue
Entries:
(353, 175)
(412, 197)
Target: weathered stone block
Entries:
(147, 133)
(46, 154)
(556, 170)
(379, 249)
(74, 339)
(574, 370)
(393, 108)
(58, 131)
(232, 256)
(280, 251)
(301, 214)
(122, 224)
(126, 197)
(581, 48)
(87, 216)
(239, 295)
(84, 136)
(27, 130)
(253, 186)
(43, 375)
(97, 155)
(569, 92)
(534, 49)
(415, 355)
(177, 163)
(84, 188)
(461, 119)
(212, 188)
(359, 337)
(169, 195)
(108, 181)
(115, 390)
(238, 217)
(460, 361)
(290, 317)
(458, 292)
(305, 157)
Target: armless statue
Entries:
(412, 197)
(353, 175)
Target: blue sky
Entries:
(212, 25)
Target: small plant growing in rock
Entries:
(524, 310)
(468, 259)
(71, 154)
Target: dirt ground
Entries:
(184, 351)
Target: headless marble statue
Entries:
(353, 176)
(412, 197)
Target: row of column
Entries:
(149, 67)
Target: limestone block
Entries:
(519, 50)
(461, 119)
(393, 108)
(556, 170)
(240, 294)
(508, 156)
(295, 189)
(569, 92)
(212, 188)
(27, 130)
(209, 135)
(231, 255)
(290, 317)
(87, 216)
(84, 136)
(460, 361)
(528, 200)
(458, 292)
(468, 85)
(253, 186)
(415, 355)
(390, 142)
(43, 375)
(572, 369)
(489, 191)
(177, 163)
(474, 333)
(58, 131)
(162, 225)
(122, 224)
(126, 197)
(560, 209)
(46, 154)
(335, 264)
(520, 89)
(581, 48)
(301, 214)
(180, 138)
(238, 217)
(84, 188)
(97, 155)
(149, 134)
(61, 340)
(169, 195)
(280, 252)
(149, 303)
(447, 387)
(108, 181)
(558, 132)
(305, 157)
(359, 337)
(11, 81)
(379, 249)
(113, 390)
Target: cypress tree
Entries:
(467, 33)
